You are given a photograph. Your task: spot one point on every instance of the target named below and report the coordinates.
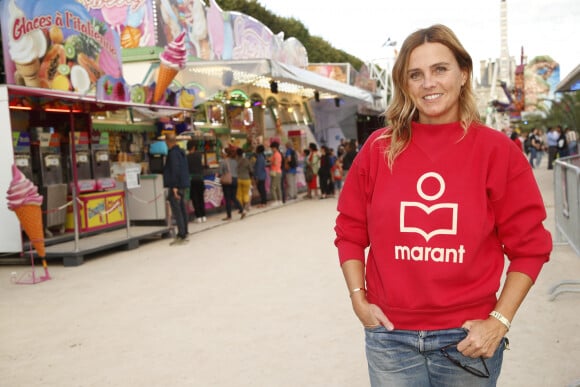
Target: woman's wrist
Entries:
(357, 290)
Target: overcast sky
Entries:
(542, 27)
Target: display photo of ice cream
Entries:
(51, 49)
(26, 50)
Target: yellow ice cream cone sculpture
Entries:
(164, 78)
(30, 217)
(24, 199)
(173, 59)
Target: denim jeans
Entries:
(179, 211)
(412, 358)
(533, 153)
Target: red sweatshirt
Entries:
(438, 225)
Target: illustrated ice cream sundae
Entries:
(23, 198)
(27, 50)
(173, 59)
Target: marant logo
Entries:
(429, 221)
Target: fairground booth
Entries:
(91, 88)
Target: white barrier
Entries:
(567, 213)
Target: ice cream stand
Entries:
(65, 57)
(60, 67)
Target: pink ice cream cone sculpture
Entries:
(173, 59)
(24, 199)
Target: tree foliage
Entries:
(564, 111)
(318, 49)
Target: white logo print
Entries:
(414, 226)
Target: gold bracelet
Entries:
(501, 318)
(356, 290)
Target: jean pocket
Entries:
(374, 328)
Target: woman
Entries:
(244, 181)
(437, 199)
(260, 175)
(276, 173)
(313, 162)
(229, 165)
(324, 175)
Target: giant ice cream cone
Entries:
(164, 79)
(30, 217)
(24, 200)
(173, 59)
(29, 72)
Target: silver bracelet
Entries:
(501, 318)
(356, 290)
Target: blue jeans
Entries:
(533, 153)
(412, 358)
(179, 211)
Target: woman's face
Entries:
(434, 81)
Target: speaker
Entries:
(316, 96)
(274, 87)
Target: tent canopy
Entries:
(213, 76)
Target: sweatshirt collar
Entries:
(436, 139)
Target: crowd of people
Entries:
(557, 142)
(240, 173)
(325, 170)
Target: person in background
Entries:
(230, 164)
(562, 142)
(552, 137)
(542, 148)
(349, 155)
(429, 292)
(515, 137)
(176, 180)
(276, 173)
(572, 139)
(324, 177)
(197, 185)
(290, 164)
(341, 149)
(260, 175)
(312, 161)
(337, 175)
(534, 147)
(244, 181)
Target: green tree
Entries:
(564, 111)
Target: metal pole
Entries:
(73, 156)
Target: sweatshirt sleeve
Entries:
(351, 223)
(519, 210)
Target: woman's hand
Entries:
(370, 315)
(482, 339)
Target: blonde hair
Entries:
(402, 111)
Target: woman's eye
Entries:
(441, 69)
(415, 76)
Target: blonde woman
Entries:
(436, 199)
